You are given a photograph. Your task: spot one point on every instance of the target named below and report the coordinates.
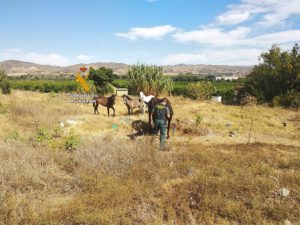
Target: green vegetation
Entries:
(45, 85)
(149, 79)
(120, 83)
(4, 84)
(200, 90)
(180, 87)
(277, 78)
(102, 78)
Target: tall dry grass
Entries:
(113, 181)
(48, 175)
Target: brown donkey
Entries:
(108, 102)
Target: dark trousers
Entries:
(161, 125)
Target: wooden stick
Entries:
(250, 131)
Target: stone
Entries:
(284, 192)
(287, 222)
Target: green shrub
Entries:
(291, 99)
(199, 119)
(71, 142)
(200, 90)
(43, 135)
(106, 89)
(121, 83)
(149, 79)
(179, 91)
(230, 98)
(5, 85)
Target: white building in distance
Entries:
(227, 77)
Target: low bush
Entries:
(106, 89)
(200, 90)
(71, 141)
(5, 86)
(290, 100)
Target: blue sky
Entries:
(65, 32)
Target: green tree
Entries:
(149, 79)
(4, 84)
(200, 90)
(277, 74)
(102, 78)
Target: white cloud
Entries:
(233, 17)
(216, 37)
(156, 33)
(241, 56)
(45, 59)
(240, 45)
(213, 36)
(272, 12)
(282, 37)
(84, 58)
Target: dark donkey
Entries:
(132, 103)
(151, 104)
(108, 102)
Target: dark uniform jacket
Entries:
(160, 112)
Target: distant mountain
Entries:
(15, 68)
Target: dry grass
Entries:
(46, 177)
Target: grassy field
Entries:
(92, 170)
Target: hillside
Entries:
(15, 68)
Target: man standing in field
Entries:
(160, 115)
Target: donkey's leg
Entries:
(97, 109)
(113, 109)
(149, 115)
(108, 111)
(128, 108)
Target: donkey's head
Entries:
(113, 97)
(124, 97)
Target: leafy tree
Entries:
(101, 76)
(200, 90)
(277, 74)
(149, 79)
(4, 84)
